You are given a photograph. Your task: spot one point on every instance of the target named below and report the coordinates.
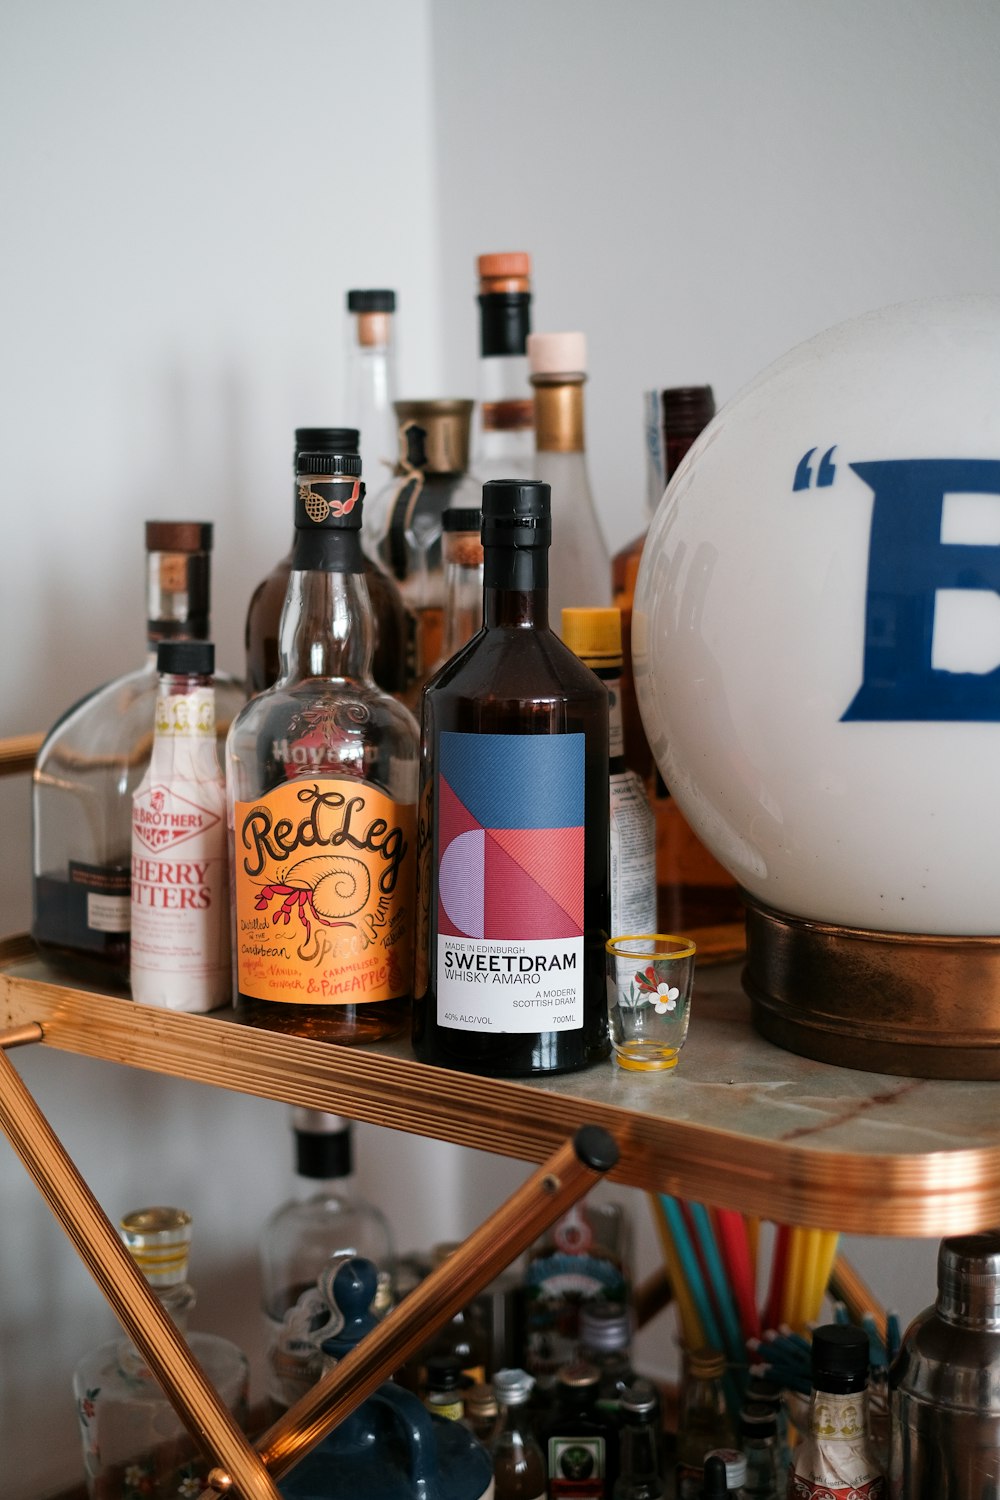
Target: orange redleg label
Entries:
(324, 876)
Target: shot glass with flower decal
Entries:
(650, 978)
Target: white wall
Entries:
(188, 190)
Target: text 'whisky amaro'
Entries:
(513, 828)
(322, 781)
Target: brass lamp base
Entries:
(883, 1002)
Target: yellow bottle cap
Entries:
(595, 635)
(159, 1241)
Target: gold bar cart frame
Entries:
(240, 1468)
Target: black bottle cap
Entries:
(322, 1156)
(714, 1485)
(504, 324)
(518, 512)
(330, 462)
(461, 518)
(186, 658)
(840, 1358)
(444, 1372)
(758, 1419)
(379, 300)
(326, 440)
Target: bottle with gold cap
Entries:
(596, 637)
(133, 1442)
(505, 441)
(579, 567)
(431, 476)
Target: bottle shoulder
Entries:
(518, 662)
(108, 720)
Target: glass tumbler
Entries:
(650, 978)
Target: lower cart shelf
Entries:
(741, 1124)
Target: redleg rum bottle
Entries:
(321, 790)
(513, 866)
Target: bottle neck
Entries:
(184, 727)
(326, 629)
(177, 597)
(371, 391)
(836, 1418)
(516, 587)
(463, 589)
(177, 1301)
(559, 413)
(506, 410)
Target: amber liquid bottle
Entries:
(513, 866)
(321, 792)
(692, 888)
(268, 598)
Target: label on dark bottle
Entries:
(576, 1466)
(106, 890)
(509, 815)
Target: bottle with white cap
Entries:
(326, 1219)
(579, 566)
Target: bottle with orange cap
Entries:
(505, 429)
(596, 637)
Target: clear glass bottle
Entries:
(180, 920)
(371, 384)
(321, 790)
(596, 637)
(505, 425)
(580, 1442)
(835, 1458)
(430, 477)
(394, 629)
(514, 805)
(584, 1257)
(705, 1422)
(93, 759)
(463, 578)
(605, 1335)
(518, 1461)
(325, 1220)
(640, 1476)
(579, 566)
(762, 1451)
(133, 1443)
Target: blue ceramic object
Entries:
(391, 1447)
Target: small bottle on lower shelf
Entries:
(134, 1445)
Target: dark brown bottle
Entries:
(580, 1443)
(389, 664)
(513, 826)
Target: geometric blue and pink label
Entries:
(509, 813)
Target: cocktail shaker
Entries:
(946, 1382)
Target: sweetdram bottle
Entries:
(513, 866)
(322, 779)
